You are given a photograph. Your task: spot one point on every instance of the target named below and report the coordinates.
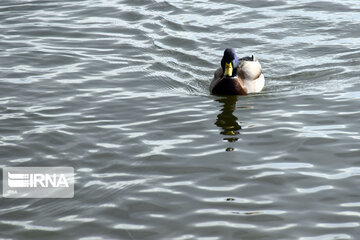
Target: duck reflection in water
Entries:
(227, 121)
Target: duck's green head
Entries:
(229, 63)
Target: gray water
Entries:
(119, 91)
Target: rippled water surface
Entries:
(119, 91)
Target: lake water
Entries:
(119, 91)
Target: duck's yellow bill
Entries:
(228, 70)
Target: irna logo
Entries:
(16, 180)
(38, 182)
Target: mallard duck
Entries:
(237, 76)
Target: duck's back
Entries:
(227, 86)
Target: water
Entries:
(119, 91)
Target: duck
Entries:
(237, 76)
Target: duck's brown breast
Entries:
(228, 86)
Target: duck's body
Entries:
(237, 76)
